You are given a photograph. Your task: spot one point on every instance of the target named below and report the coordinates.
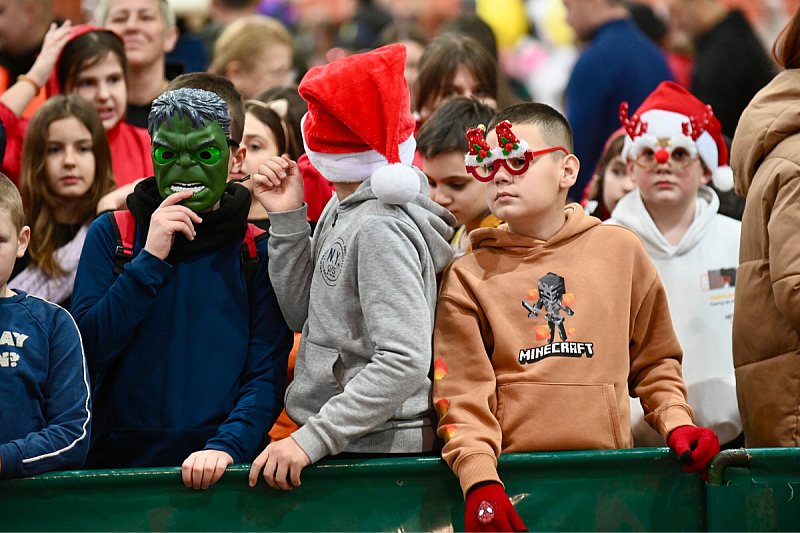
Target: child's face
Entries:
(70, 161)
(12, 246)
(143, 30)
(272, 69)
(665, 185)
(617, 182)
(538, 195)
(452, 187)
(260, 143)
(103, 85)
(464, 84)
(185, 157)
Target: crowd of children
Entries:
(413, 265)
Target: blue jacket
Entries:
(44, 386)
(183, 359)
(620, 64)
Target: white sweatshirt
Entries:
(699, 275)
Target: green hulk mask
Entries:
(189, 132)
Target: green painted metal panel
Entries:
(619, 490)
(754, 489)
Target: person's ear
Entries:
(706, 177)
(170, 39)
(570, 167)
(237, 160)
(24, 239)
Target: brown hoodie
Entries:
(765, 158)
(500, 385)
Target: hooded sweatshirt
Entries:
(699, 275)
(130, 146)
(363, 292)
(538, 346)
(765, 158)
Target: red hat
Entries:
(672, 112)
(359, 123)
(75, 32)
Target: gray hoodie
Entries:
(363, 291)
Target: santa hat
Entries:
(672, 112)
(359, 123)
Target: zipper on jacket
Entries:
(335, 218)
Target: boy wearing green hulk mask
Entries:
(188, 365)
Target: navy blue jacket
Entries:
(620, 64)
(183, 359)
(44, 387)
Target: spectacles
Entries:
(514, 165)
(678, 158)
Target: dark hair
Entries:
(199, 106)
(40, 202)
(402, 30)
(445, 130)
(475, 27)
(294, 115)
(85, 51)
(613, 149)
(440, 61)
(786, 49)
(11, 202)
(223, 88)
(554, 128)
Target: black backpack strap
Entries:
(124, 227)
(248, 254)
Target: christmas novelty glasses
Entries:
(483, 162)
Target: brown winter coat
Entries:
(766, 321)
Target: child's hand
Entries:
(694, 446)
(168, 220)
(204, 468)
(489, 509)
(279, 460)
(54, 41)
(278, 185)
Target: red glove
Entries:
(695, 446)
(489, 509)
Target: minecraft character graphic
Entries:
(551, 291)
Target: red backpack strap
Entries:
(248, 254)
(124, 226)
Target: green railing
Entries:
(617, 490)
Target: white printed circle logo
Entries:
(330, 265)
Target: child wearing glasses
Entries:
(674, 147)
(547, 327)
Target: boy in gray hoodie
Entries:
(363, 290)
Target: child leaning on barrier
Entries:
(363, 290)
(188, 352)
(538, 344)
(43, 378)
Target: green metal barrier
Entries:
(619, 490)
(754, 489)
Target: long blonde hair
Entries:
(40, 202)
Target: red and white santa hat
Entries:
(359, 123)
(671, 112)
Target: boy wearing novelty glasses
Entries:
(547, 327)
(674, 147)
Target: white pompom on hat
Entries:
(672, 112)
(359, 123)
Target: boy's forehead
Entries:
(527, 132)
(183, 128)
(445, 165)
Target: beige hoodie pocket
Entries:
(558, 416)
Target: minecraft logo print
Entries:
(552, 296)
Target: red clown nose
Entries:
(662, 155)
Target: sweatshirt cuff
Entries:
(289, 222)
(314, 448)
(673, 416)
(476, 468)
(11, 459)
(157, 270)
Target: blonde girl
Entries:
(65, 170)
